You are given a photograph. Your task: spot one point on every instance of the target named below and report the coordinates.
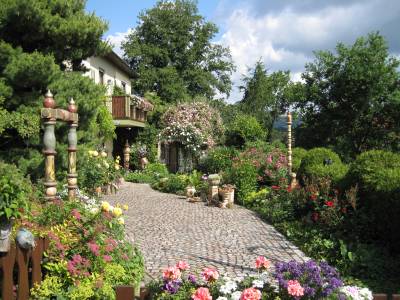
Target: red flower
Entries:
(329, 203)
(275, 187)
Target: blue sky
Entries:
(283, 33)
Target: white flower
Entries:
(236, 295)
(264, 277)
(222, 298)
(94, 210)
(238, 279)
(258, 283)
(228, 287)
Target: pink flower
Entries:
(209, 274)
(94, 248)
(107, 258)
(262, 263)
(124, 256)
(295, 289)
(171, 273)
(250, 294)
(182, 265)
(202, 294)
(76, 214)
(269, 159)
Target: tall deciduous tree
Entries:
(36, 39)
(172, 53)
(265, 95)
(352, 98)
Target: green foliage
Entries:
(244, 128)
(351, 98)
(244, 176)
(217, 160)
(298, 154)
(265, 95)
(321, 163)
(15, 191)
(32, 59)
(172, 54)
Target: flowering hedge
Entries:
(193, 125)
(291, 280)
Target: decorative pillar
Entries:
(289, 144)
(127, 151)
(49, 142)
(72, 147)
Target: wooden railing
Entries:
(122, 109)
(29, 266)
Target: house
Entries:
(129, 111)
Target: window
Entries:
(123, 86)
(101, 76)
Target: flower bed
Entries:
(291, 280)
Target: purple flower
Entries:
(172, 286)
(192, 279)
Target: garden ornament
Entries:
(25, 239)
(327, 161)
(5, 231)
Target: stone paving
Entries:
(168, 228)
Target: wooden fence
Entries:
(26, 266)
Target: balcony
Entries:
(130, 111)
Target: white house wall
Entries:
(112, 74)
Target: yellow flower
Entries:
(106, 165)
(90, 152)
(105, 206)
(125, 207)
(121, 220)
(103, 154)
(117, 211)
(117, 167)
(95, 153)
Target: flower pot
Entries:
(190, 191)
(227, 194)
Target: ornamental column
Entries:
(289, 142)
(126, 151)
(72, 147)
(49, 142)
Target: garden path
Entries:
(168, 228)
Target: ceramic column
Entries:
(127, 151)
(49, 142)
(72, 147)
(289, 143)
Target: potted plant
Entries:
(227, 193)
(214, 179)
(142, 153)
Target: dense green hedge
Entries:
(297, 155)
(377, 174)
(315, 165)
(217, 160)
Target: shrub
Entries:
(377, 173)
(174, 183)
(244, 129)
(14, 191)
(244, 176)
(217, 160)
(322, 163)
(150, 175)
(297, 155)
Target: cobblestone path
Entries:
(167, 229)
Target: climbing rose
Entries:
(329, 203)
(262, 263)
(202, 294)
(182, 265)
(250, 294)
(209, 274)
(294, 288)
(171, 273)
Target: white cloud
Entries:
(116, 40)
(285, 35)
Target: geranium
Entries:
(182, 265)
(329, 203)
(202, 294)
(210, 274)
(171, 273)
(262, 263)
(294, 288)
(250, 294)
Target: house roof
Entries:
(119, 62)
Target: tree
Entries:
(36, 39)
(352, 98)
(244, 129)
(171, 52)
(265, 95)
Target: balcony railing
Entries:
(131, 108)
